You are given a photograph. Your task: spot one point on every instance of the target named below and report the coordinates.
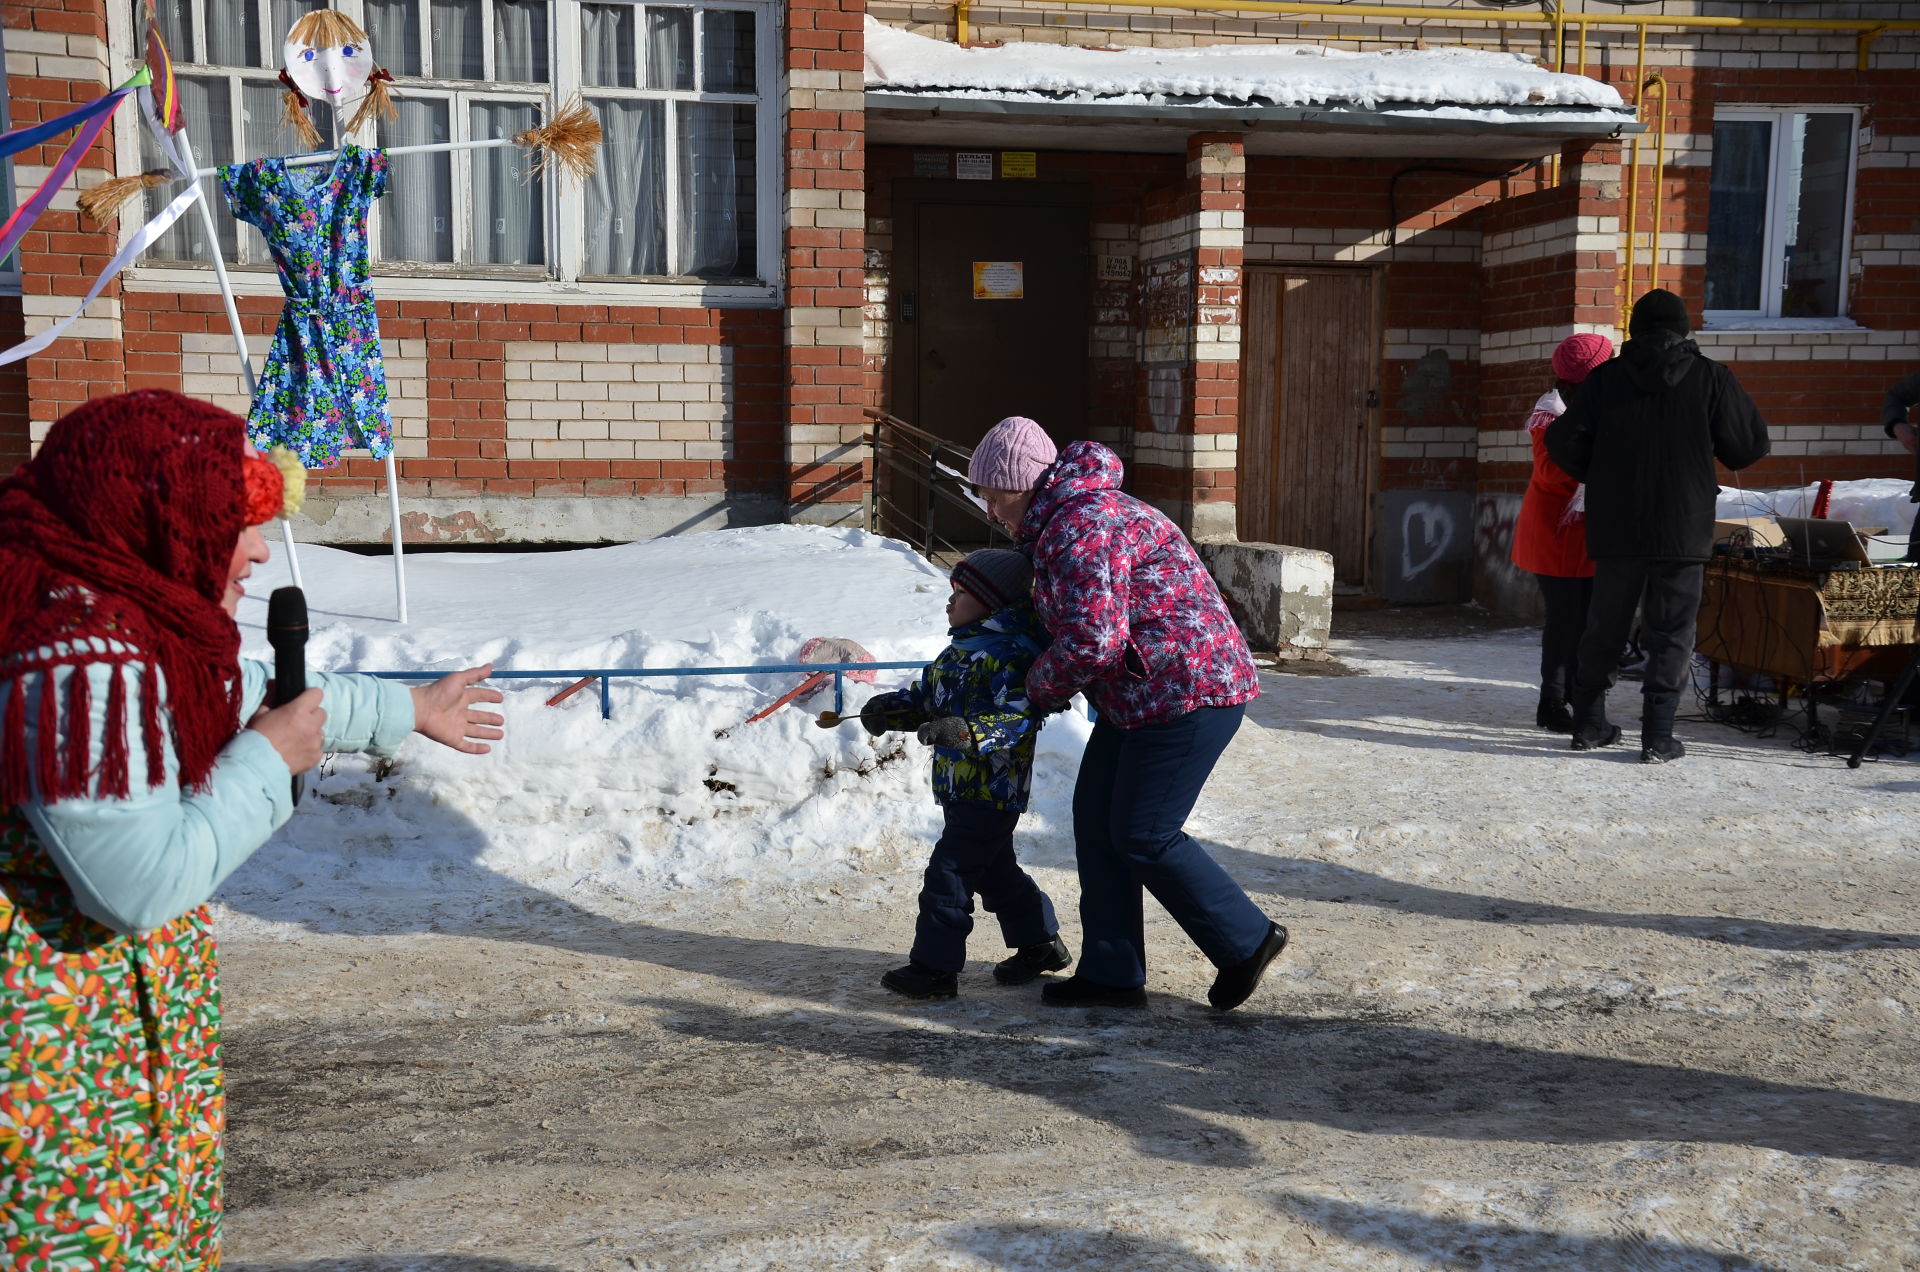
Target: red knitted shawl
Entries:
(122, 528)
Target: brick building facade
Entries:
(553, 401)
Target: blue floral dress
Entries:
(324, 390)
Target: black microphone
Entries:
(287, 633)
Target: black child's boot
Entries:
(916, 980)
(1031, 962)
(1553, 714)
(1657, 743)
(1591, 729)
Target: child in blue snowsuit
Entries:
(970, 705)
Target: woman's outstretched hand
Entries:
(444, 711)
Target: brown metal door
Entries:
(991, 315)
(1309, 392)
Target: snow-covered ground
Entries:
(651, 797)
(567, 1007)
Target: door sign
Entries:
(998, 280)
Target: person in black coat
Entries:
(1644, 435)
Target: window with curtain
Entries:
(1777, 214)
(674, 87)
(681, 90)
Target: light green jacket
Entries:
(136, 862)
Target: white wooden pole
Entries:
(399, 567)
(185, 148)
(185, 158)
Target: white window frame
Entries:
(1773, 250)
(565, 210)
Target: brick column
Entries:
(825, 249)
(57, 60)
(1549, 262)
(1187, 448)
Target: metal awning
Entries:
(1385, 131)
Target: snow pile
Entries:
(651, 798)
(1878, 503)
(1268, 74)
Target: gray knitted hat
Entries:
(998, 576)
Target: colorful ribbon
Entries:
(34, 134)
(27, 213)
(166, 92)
(137, 244)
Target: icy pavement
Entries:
(1541, 1011)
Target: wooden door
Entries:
(1309, 398)
(991, 313)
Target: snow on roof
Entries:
(1284, 75)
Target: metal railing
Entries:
(606, 675)
(920, 491)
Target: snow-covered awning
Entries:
(1287, 98)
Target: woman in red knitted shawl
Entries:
(136, 772)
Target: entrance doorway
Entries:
(1309, 400)
(990, 307)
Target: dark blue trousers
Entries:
(974, 855)
(1130, 805)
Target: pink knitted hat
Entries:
(1012, 455)
(1579, 354)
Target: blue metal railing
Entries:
(606, 675)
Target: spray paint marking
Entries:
(1435, 537)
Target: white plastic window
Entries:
(685, 93)
(1779, 213)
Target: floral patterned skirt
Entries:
(111, 1106)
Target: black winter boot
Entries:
(1030, 962)
(916, 981)
(1591, 729)
(1657, 743)
(1554, 715)
(1234, 985)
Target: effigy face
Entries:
(328, 73)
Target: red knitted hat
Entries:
(1579, 354)
(122, 529)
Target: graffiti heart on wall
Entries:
(1426, 532)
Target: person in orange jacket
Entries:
(1550, 538)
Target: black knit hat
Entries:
(1659, 310)
(999, 577)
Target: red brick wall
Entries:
(61, 255)
(825, 255)
(1885, 296)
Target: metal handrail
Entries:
(606, 674)
(937, 468)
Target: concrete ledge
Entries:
(1283, 597)
(506, 521)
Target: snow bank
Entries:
(651, 798)
(1267, 74)
(1874, 503)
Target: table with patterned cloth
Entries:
(1809, 626)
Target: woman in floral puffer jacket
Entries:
(1140, 628)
